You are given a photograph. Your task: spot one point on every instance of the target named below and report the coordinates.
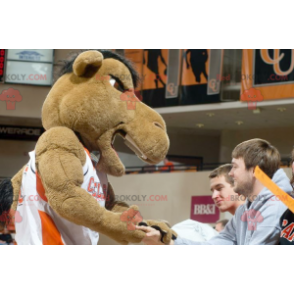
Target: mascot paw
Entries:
(124, 226)
(167, 234)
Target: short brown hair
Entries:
(259, 152)
(223, 222)
(223, 170)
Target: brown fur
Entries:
(81, 102)
(16, 184)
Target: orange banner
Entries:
(136, 56)
(270, 72)
(195, 67)
(195, 76)
(154, 68)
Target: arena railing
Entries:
(179, 168)
(184, 168)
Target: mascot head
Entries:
(95, 98)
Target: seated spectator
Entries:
(5, 238)
(222, 188)
(224, 197)
(220, 225)
(287, 219)
(257, 222)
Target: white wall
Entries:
(13, 156)
(281, 138)
(195, 145)
(180, 144)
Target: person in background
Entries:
(287, 219)
(5, 237)
(257, 222)
(220, 225)
(222, 189)
(224, 197)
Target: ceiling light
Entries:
(256, 111)
(200, 125)
(281, 109)
(210, 114)
(239, 122)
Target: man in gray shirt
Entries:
(257, 221)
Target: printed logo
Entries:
(277, 60)
(94, 190)
(130, 97)
(252, 96)
(171, 89)
(10, 96)
(252, 217)
(288, 232)
(29, 55)
(212, 84)
(132, 217)
(10, 217)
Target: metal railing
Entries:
(160, 169)
(187, 168)
(179, 168)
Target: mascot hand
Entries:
(122, 226)
(167, 234)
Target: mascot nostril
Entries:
(158, 125)
(82, 114)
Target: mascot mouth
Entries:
(130, 143)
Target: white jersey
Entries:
(39, 224)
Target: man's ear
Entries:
(253, 170)
(87, 61)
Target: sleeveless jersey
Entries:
(39, 224)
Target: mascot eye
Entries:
(116, 84)
(112, 82)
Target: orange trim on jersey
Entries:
(87, 152)
(20, 199)
(40, 188)
(50, 233)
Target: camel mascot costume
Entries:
(87, 107)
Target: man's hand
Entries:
(152, 237)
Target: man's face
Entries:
(243, 178)
(221, 193)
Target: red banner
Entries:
(2, 60)
(203, 209)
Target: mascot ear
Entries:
(87, 60)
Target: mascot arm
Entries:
(59, 160)
(16, 184)
(167, 234)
